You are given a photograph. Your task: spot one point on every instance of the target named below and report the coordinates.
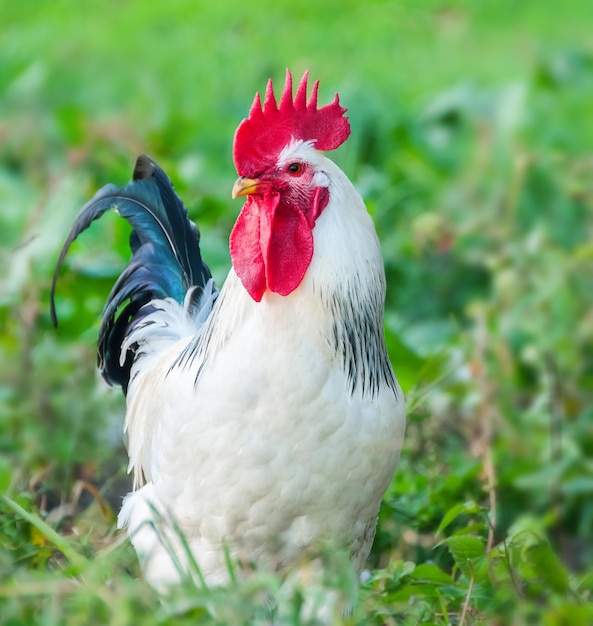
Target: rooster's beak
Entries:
(245, 187)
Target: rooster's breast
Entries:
(269, 451)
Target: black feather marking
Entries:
(166, 259)
(358, 339)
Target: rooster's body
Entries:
(264, 420)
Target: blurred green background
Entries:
(472, 142)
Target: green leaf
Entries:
(547, 566)
(454, 512)
(61, 543)
(414, 591)
(432, 573)
(5, 474)
(465, 548)
(568, 613)
(409, 363)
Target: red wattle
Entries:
(246, 252)
(271, 246)
(290, 249)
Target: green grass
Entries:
(472, 143)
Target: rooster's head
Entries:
(276, 153)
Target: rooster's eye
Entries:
(295, 169)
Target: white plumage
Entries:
(268, 451)
(261, 425)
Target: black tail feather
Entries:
(166, 259)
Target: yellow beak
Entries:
(245, 187)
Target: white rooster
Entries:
(264, 420)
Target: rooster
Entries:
(264, 420)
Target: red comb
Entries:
(260, 138)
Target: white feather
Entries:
(254, 440)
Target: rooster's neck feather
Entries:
(338, 305)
